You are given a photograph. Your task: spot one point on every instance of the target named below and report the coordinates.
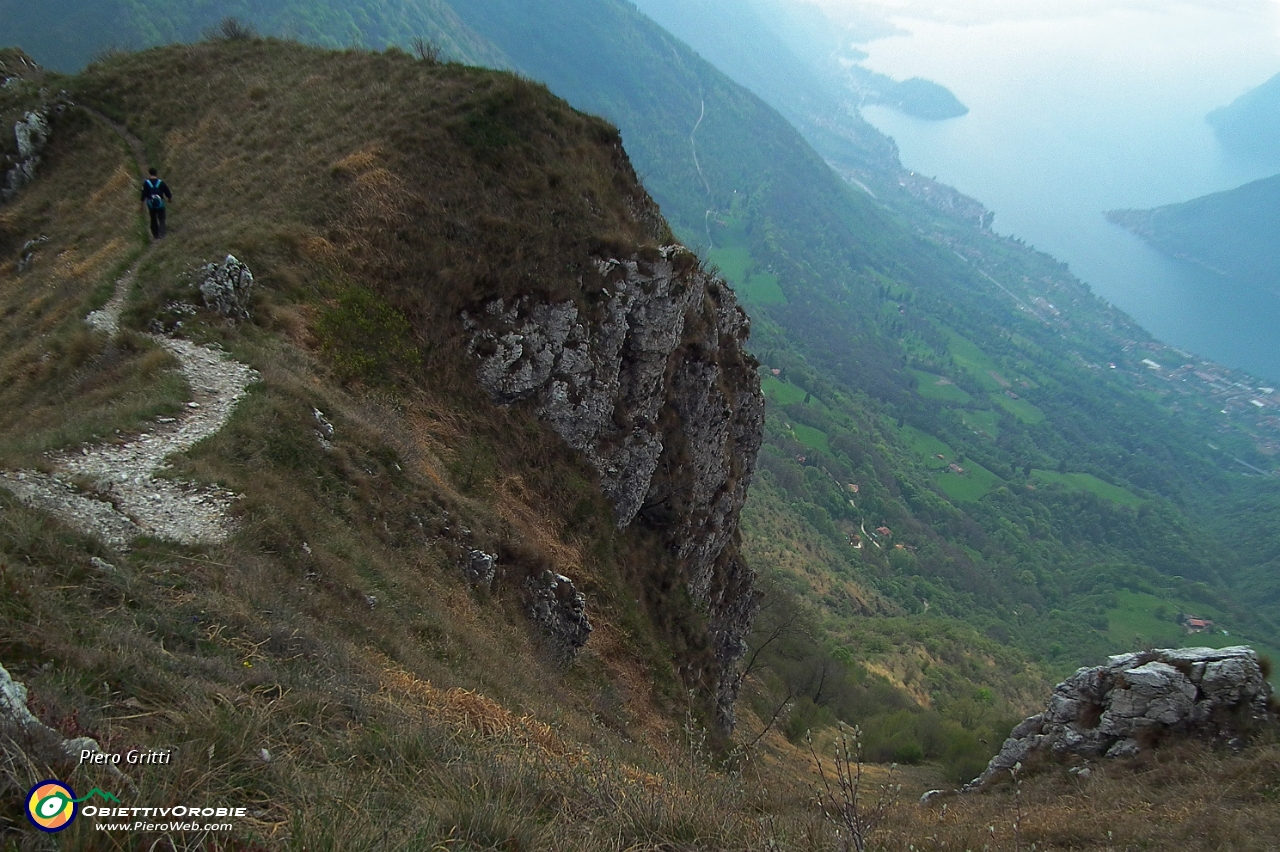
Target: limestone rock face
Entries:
(226, 288)
(561, 610)
(31, 132)
(480, 567)
(651, 382)
(1138, 699)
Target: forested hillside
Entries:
(973, 478)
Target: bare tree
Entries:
(232, 29)
(842, 798)
(427, 50)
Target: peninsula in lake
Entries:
(1234, 232)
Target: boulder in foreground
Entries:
(1138, 700)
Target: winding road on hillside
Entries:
(112, 490)
(693, 145)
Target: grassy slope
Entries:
(331, 629)
(849, 289)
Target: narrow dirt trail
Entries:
(111, 490)
(135, 144)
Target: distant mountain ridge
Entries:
(1250, 125)
(746, 41)
(66, 37)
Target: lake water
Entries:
(1073, 116)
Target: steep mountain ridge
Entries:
(1248, 125)
(667, 407)
(371, 470)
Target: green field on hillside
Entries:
(734, 261)
(983, 422)
(1144, 620)
(939, 388)
(1092, 484)
(927, 446)
(761, 288)
(969, 486)
(780, 392)
(814, 439)
(970, 358)
(1141, 619)
(1019, 408)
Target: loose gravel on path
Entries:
(126, 499)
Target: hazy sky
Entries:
(990, 11)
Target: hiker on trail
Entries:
(154, 193)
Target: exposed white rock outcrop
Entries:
(648, 377)
(560, 610)
(480, 568)
(1139, 699)
(27, 254)
(31, 133)
(18, 723)
(227, 287)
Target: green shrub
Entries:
(365, 337)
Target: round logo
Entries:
(51, 805)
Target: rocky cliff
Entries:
(1137, 700)
(651, 382)
(20, 77)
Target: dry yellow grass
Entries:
(1186, 797)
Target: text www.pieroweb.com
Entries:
(177, 818)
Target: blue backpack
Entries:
(155, 200)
